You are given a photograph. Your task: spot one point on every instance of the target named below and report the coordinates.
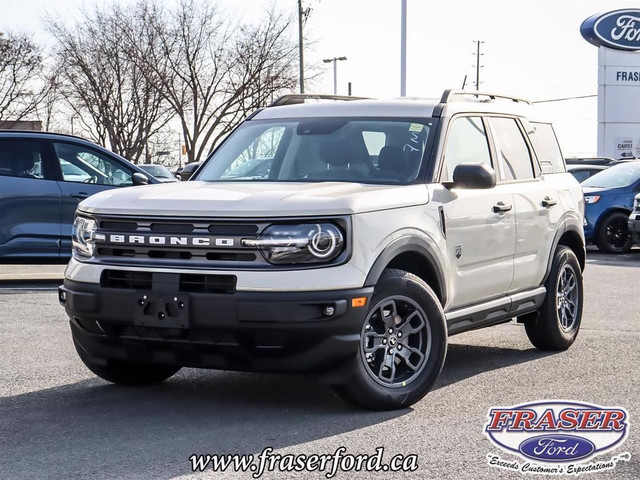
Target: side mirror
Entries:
(473, 175)
(140, 179)
(186, 175)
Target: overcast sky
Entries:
(532, 49)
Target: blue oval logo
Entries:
(619, 29)
(557, 448)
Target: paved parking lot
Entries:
(59, 421)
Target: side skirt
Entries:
(494, 311)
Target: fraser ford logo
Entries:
(557, 436)
(619, 29)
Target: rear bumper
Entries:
(298, 332)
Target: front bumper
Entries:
(634, 226)
(295, 332)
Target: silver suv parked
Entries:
(378, 229)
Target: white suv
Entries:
(371, 231)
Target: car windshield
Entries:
(158, 171)
(337, 149)
(616, 176)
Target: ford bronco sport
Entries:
(374, 230)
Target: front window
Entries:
(618, 176)
(388, 151)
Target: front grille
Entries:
(167, 242)
(186, 282)
(125, 279)
(194, 283)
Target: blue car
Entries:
(608, 198)
(43, 177)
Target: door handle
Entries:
(80, 195)
(501, 207)
(549, 202)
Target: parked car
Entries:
(43, 177)
(188, 170)
(160, 172)
(604, 161)
(582, 172)
(634, 220)
(608, 198)
(383, 228)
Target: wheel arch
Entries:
(606, 213)
(570, 237)
(415, 256)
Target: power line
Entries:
(563, 99)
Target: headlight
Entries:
(82, 236)
(591, 198)
(304, 243)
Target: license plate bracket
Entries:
(166, 310)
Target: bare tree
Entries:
(20, 67)
(118, 99)
(213, 72)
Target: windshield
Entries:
(616, 176)
(159, 171)
(323, 149)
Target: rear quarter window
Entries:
(545, 143)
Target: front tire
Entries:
(558, 322)
(127, 373)
(403, 345)
(613, 233)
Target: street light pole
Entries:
(335, 71)
(300, 45)
(403, 49)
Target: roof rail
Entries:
(297, 98)
(449, 95)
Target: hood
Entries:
(254, 199)
(603, 190)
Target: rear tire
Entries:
(128, 373)
(613, 234)
(403, 345)
(557, 325)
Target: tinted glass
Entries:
(466, 143)
(322, 149)
(545, 143)
(21, 158)
(514, 159)
(617, 176)
(82, 164)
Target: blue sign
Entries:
(619, 29)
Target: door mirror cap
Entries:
(140, 179)
(473, 175)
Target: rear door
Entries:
(84, 171)
(29, 200)
(480, 223)
(536, 203)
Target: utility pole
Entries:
(477, 65)
(403, 48)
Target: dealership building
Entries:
(617, 35)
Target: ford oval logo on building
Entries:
(557, 448)
(557, 431)
(619, 29)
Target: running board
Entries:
(494, 311)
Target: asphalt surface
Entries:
(59, 421)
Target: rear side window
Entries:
(514, 159)
(545, 143)
(21, 158)
(466, 143)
